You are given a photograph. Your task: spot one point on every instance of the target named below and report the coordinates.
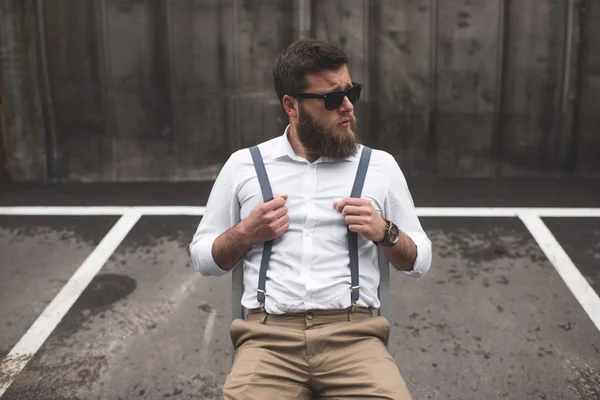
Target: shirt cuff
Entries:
(202, 258)
(423, 260)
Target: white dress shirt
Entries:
(309, 266)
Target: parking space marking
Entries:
(505, 212)
(103, 210)
(41, 329)
(43, 326)
(576, 282)
(197, 210)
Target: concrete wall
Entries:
(128, 90)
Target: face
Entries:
(329, 133)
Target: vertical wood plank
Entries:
(565, 147)
(265, 28)
(588, 114)
(140, 85)
(533, 138)
(24, 134)
(82, 146)
(401, 62)
(303, 18)
(466, 67)
(203, 60)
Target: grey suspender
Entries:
(359, 182)
(267, 193)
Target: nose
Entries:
(346, 106)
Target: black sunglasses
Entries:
(335, 99)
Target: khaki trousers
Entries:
(338, 354)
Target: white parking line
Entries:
(41, 329)
(102, 210)
(194, 210)
(505, 212)
(576, 282)
(43, 326)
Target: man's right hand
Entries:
(267, 221)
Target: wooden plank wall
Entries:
(23, 139)
(532, 138)
(587, 132)
(166, 90)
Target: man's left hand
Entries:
(362, 218)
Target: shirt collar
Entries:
(282, 148)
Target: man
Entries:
(308, 334)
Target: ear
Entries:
(290, 105)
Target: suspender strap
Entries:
(359, 182)
(267, 193)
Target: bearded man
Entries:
(311, 328)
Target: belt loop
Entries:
(264, 315)
(351, 311)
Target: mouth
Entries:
(345, 123)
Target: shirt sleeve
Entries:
(221, 214)
(400, 209)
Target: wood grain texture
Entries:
(140, 85)
(588, 115)
(532, 115)
(81, 146)
(401, 84)
(24, 138)
(466, 69)
(202, 51)
(122, 90)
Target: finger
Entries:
(285, 220)
(282, 229)
(272, 217)
(357, 228)
(283, 196)
(354, 210)
(339, 205)
(279, 226)
(280, 212)
(357, 220)
(274, 204)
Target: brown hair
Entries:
(304, 56)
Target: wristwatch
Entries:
(391, 236)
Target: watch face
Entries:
(394, 233)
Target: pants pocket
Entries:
(385, 329)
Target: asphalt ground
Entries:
(493, 319)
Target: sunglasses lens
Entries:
(334, 100)
(354, 94)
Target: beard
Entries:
(333, 141)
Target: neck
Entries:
(297, 146)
